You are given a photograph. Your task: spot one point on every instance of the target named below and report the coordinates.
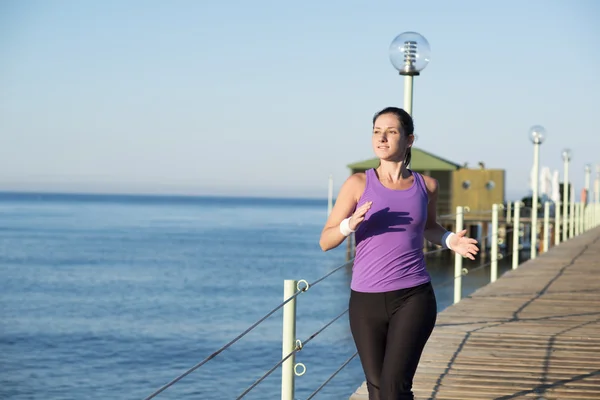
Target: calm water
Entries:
(113, 296)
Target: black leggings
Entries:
(390, 330)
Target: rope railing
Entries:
(298, 346)
(252, 327)
(466, 271)
(213, 355)
(346, 264)
(466, 210)
(313, 394)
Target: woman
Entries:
(391, 209)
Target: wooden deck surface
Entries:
(532, 334)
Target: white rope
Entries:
(332, 376)
(299, 346)
(213, 355)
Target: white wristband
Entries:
(446, 240)
(345, 227)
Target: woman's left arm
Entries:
(437, 234)
(434, 232)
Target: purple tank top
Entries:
(389, 242)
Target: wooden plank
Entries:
(532, 334)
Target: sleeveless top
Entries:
(389, 241)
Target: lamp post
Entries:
(588, 196)
(536, 134)
(588, 172)
(409, 54)
(566, 155)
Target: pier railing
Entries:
(580, 218)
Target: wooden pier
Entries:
(532, 334)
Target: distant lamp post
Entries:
(588, 172)
(566, 156)
(537, 134)
(409, 54)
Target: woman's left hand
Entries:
(463, 245)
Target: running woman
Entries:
(391, 209)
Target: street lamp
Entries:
(409, 54)
(536, 134)
(566, 156)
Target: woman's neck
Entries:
(393, 171)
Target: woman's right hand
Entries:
(359, 215)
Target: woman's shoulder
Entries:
(430, 183)
(355, 184)
(357, 178)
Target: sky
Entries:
(270, 98)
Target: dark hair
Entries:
(406, 124)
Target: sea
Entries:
(114, 296)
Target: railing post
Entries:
(289, 340)
(586, 217)
(557, 223)
(494, 245)
(575, 212)
(577, 218)
(460, 217)
(546, 226)
(572, 216)
(516, 232)
(508, 212)
(582, 218)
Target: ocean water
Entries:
(111, 297)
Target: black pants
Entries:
(390, 331)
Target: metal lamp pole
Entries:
(566, 155)
(536, 134)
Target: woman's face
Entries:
(389, 141)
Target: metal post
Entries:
(557, 223)
(588, 173)
(534, 199)
(546, 226)
(460, 217)
(289, 340)
(572, 214)
(408, 93)
(516, 231)
(408, 96)
(579, 219)
(565, 200)
(508, 212)
(494, 245)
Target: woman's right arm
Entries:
(345, 205)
